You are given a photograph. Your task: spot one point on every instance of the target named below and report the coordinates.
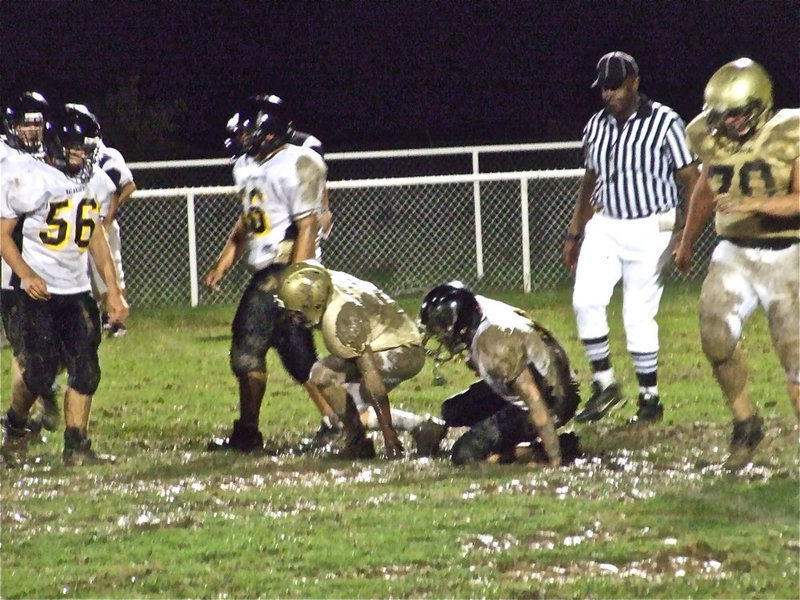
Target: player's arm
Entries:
(34, 285)
(326, 216)
(580, 216)
(231, 253)
(305, 246)
(526, 388)
(700, 212)
(687, 178)
(785, 205)
(378, 398)
(100, 251)
(117, 200)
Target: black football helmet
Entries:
(449, 314)
(257, 118)
(28, 123)
(79, 136)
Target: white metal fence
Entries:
(499, 230)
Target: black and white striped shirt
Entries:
(635, 164)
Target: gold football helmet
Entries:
(305, 287)
(738, 99)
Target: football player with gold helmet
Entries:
(374, 346)
(750, 184)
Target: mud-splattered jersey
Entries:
(60, 216)
(505, 343)
(761, 166)
(284, 188)
(359, 315)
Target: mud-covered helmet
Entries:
(450, 315)
(740, 90)
(305, 287)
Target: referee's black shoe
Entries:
(602, 401)
(650, 410)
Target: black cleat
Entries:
(244, 438)
(14, 448)
(650, 410)
(428, 436)
(78, 450)
(746, 436)
(362, 447)
(601, 402)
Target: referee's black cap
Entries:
(614, 68)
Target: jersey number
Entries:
(254, 217)
(58, 228)
(758, 166)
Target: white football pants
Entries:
(636, 251)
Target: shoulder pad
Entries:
(697, 136)
(782, 133)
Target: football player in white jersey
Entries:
(111, 161)
(281, 187)
(750, 185)
(374, 347)
(26, 122)
(240, 133)
(60, 322)
(527, 387)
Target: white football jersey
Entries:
(504, 344)
(60, 217)
(360, 315)
(274, 194)
(114, 165)
(6, 151)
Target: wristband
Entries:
(574, 236)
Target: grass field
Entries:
(643, 513)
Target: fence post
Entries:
(476, 192)
(526, 236)
(192, 248)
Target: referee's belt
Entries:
(763, 243)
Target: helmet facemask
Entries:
(449, 316)
(27, 124)
(738, 124)
(738, 101)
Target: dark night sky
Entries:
(390, 74)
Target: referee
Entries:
(625, 216)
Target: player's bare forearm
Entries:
(101, 256)
(34, 285)
(305, 245)
(687, 177)
(787, 205)
(539, 414)
(701, 209)
(379, 400)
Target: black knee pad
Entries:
(40, 374)
(295, 346)
(477, 444)
(86, 378)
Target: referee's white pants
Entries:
(634, 250)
